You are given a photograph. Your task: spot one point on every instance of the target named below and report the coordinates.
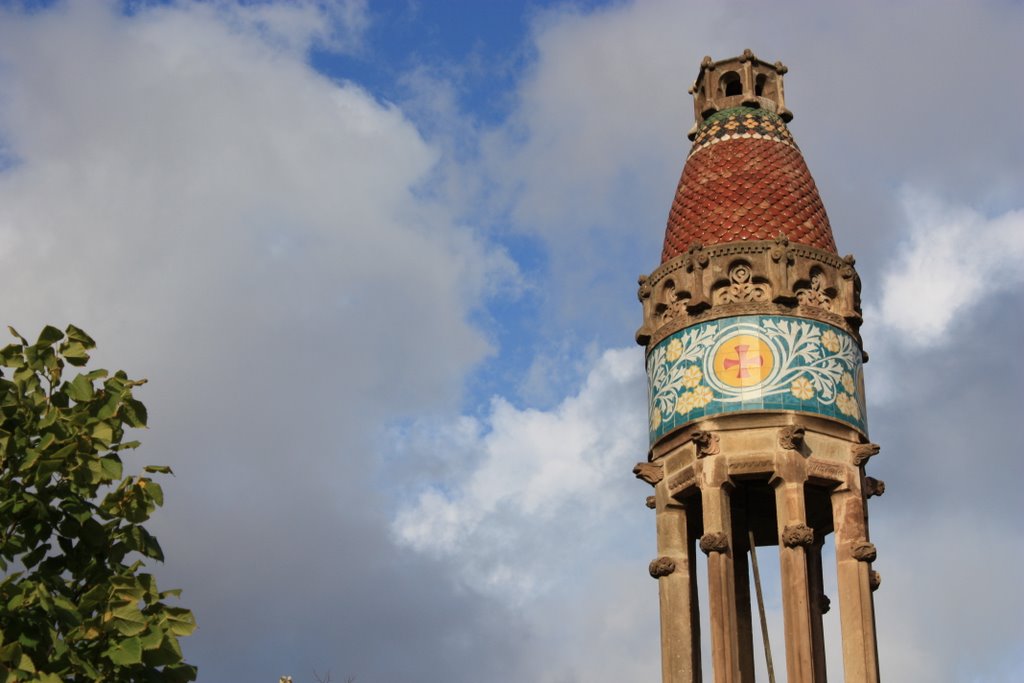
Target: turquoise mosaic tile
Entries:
(755, 363)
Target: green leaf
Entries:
(158, 469)
(180, 621)
(125, 652)
(79, 335)
(80, 389)
(49, 336)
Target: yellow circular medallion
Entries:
(743, 361)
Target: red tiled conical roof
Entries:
(745, 179)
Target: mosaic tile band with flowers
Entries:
(759, 362)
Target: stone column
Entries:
(744, 617)
(854, 554)
(794, 538)
(717, 543)
(819, 605)
(676, 572)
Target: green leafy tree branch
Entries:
(75, 604)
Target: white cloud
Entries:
(953, 257)
(252, 237)
(538, 482)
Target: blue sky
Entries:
(378, 262)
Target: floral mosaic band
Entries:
(754, 363)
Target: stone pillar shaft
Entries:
(796, 599)
(856, 607)
(717, 542)
(677, 592)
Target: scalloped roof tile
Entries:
(745, 179)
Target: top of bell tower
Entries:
(743, 81)
(744, 179)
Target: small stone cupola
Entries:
(743, 81)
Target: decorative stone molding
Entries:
(772, 277)
(650, 502)
(714, 542)
(874, 580)
(873, 487)
(682, 480)
(864, 552)
(706, 443)
(863, 452)
(791, 437)
(651, 472)
(662, 566)
(824, 604)
(817, 469)
(741, 287)
(816, 292)
(751, 466)
(795, 535)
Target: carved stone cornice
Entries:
(767, 277)
(651, 472)
(682, 480)
(662, 566)
(714, 542)
(796, 535)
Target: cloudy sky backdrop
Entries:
(378, 261)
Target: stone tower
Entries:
(758, 433)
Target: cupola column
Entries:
(717, 544)
(675, 568)
(854, 554)
(794, 539)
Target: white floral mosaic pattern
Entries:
(755, 363)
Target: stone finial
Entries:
(706, 443)
(650, 472)
(714, 542)
(795, 535)
(662, 566)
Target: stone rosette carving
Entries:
(706, 443)
(714, 542)
(650, 472)
(662, 566)
(741, 287)
(874, 580)
(791, 437)
(863, 452)
(873, 487)
(796, 535)
(864, 551)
